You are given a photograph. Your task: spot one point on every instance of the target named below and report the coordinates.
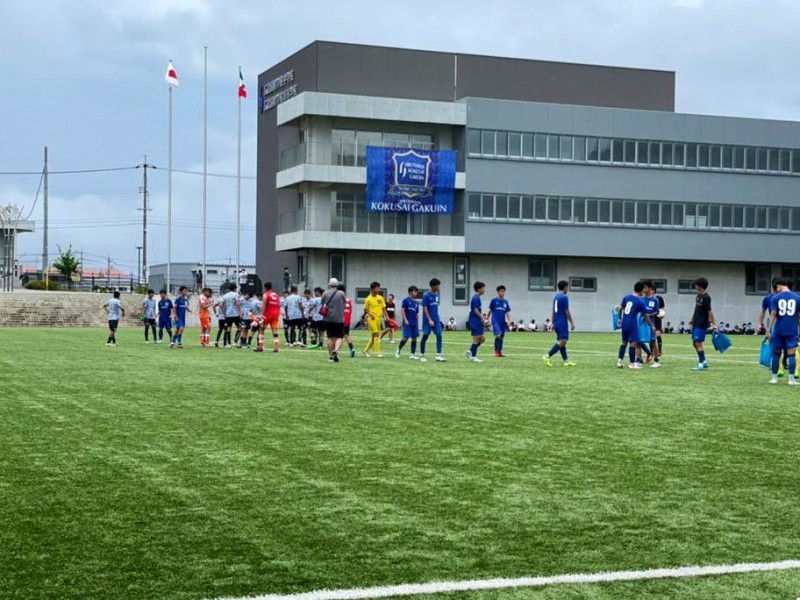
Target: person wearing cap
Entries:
(332, 311)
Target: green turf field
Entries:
(144, 472)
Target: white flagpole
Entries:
(205, 161)
(169, 197)
(239, 190)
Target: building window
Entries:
(541, 274)
(757, 279)
(686, 286)
(583, 284)
(362, 293)
(474, 141)
(487, 142)
(460, 279)
(336, 266)
(301, 268)
(792, 272)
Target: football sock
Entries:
(792, 364)
(350, 345)
(646, 349)
(378, 346)
(701, 357)
(660, 343)
(439, 343)
(621, 353)
(402, 343)
(553, 350)
(776, 363)
(632, 354)
(276, 341)
(413, 346)
(422, 343)
(563, 351)
(473, 349)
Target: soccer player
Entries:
(561, 318)
(218, 308)
(784, 318)
(244, 327)
(629, 310)
(294, 317)
(164, 316)
(149, 316)
(409, 311)
(431, 323)
(500, 313)
(180, 309)
(272, 314)
(375, 311)
(317, 325)
(348, 319)
(476, 325)
(256, 318)
(204, 303)
(232, 308)
(391, 310)
(654, 307)
(702, 319)
(765, 313)
(114, 309)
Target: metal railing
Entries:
(354, 218)
(339, 153)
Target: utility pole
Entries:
(45, 250)
(145, 193)
(108, 273)
(138, 265)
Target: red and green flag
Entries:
(242, 89)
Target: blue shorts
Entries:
(562, 334)
(165, 324)
(698, 334)
(411, 331)
(180, 323)
(499, 328)
(783, 342)
(630, 335)
(476, 329)
(427, 329)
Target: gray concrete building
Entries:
(575, 172)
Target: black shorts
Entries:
(318, 326)
(149, 322)
(657, 322)
(222, 323)
(334, 330)
(346, 330)
(294, 323)
(233, 322)
(246, 324)
(112, 325)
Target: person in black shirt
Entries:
(390, 311)
(702, 319)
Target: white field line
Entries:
(439, 587)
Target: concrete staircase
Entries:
(64, 309)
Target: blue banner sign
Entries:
(406, 180)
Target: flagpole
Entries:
(205, 161)
(239, 189)
(169, 196)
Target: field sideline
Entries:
(144, 472)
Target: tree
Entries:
(67, 264)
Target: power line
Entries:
(68, 172)
(224, 175)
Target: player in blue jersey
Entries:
(702, 319)
(409, 312)
(561, 318)
(476, 325)
(629, 310)
(654, 307)
(431, 323)
(164, 316)
(149, 307)
(765, 313)
(784, 319)
(181, 308)
(500, 313)
(115, 312)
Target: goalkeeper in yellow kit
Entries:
(375, 311)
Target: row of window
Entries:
(619, 151)
(349, 147)
(632, 213)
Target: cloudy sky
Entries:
(87, 79)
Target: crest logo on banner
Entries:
(404, 180)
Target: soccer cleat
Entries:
(774, 380)
(379, 356)
(397, 353)
(649, 359)
(440, 358)
(468, 354)
(655, 365)
(109, 344)
(330, 358)
(423, 359)
(475, 359)
(620, 365)
(781, 372)
(391, 341)
(258, 350)
(216, 344)
(352, 353)
(698, 368)
(569, 363)
(158, 342)
(146, 342)
(635, 366)
(499, 355)
(792, 380)
(413, 357)
(366, 354)
(335, 357)
(546, 360)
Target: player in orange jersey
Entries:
(204, 303)
(271, 303)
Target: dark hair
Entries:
(638, 287)
(293, 289)
(648, 284)
(341, 287)
(116, 294)
(268, 285)
(412, 288)
(232, 287)
(562, 285)
(701, 282)
(162, 291)
(318, 290)
(782, 281)
(478, 285)
(374, 285)
(306, 291)
(434, 282)
(149, 291)
(183, 287)
(501, 287)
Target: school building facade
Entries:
(575, 172)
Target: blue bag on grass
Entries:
(615, 317)
(720, 341)
(765, 359)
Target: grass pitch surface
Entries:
(144, 472)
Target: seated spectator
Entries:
(669, 328)
(512, 326)
(451, 325)
(521, 325)
(533, 326)
(548, 326)
(683, 329)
